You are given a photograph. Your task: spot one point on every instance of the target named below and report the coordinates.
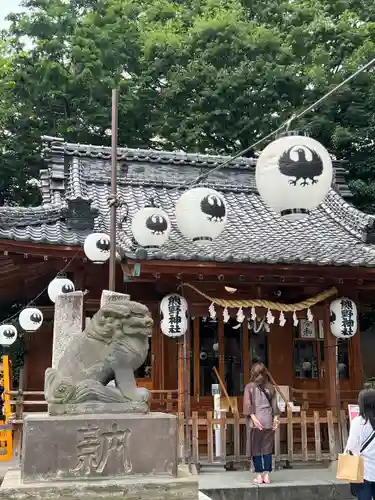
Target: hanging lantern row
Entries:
(293, 176)
(343, 317)
(30, 319)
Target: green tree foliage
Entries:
(197, 75)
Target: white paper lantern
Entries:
(59, 286)
(294, 175)
(174, 318)
(201, 214)
(97, 247)
(151, 227)
(30, 319)
(306, 366)
(344, 318)
(341, 367)
(8, 335)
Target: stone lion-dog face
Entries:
(113, 345)
(126, 326)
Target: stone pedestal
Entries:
(98, 446)
(99, 457)
(131, 488)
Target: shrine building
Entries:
(258, 256)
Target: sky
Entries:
(7, 6)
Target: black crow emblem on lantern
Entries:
(103, 245)
(35, 318)
(9, 334)
(332, 318)
(67, 288)
(213, 207)
(157, 224)
(302, 168)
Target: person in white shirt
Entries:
(361, 441)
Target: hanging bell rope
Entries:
(276, 306)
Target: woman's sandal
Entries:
(267, 481)
(257, 481)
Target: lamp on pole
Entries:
(112, 255)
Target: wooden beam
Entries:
(238, 269)
(22, 247)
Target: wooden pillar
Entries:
(330, 355)
(189, 333)
(356, 373)
(246, 354)
(196, 364)
(355, 361)
(156, 354)
(221, 346)
(180, 350)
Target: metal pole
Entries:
(112, 232)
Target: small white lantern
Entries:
(344, 318)
(151, 226)
(58, 286)
(8, 335)
(294, 175)
(201, 214)
(97, 247)
(174, 317)
(30, 319)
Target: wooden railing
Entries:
(306, 437)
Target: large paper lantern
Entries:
(8, 335)
(294, 175)
(97, 247)
(344, 318)
(59, 286)
(174, 319)
(201, 214)
(30, 319)
(151, 226)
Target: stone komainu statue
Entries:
(113, 345)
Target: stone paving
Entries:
(297, 484)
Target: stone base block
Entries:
(98, 407)
(131, 488)
(97, 447)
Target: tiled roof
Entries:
(78, 176)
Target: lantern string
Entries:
(276, 306)
(283, 126)
(31, 302)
